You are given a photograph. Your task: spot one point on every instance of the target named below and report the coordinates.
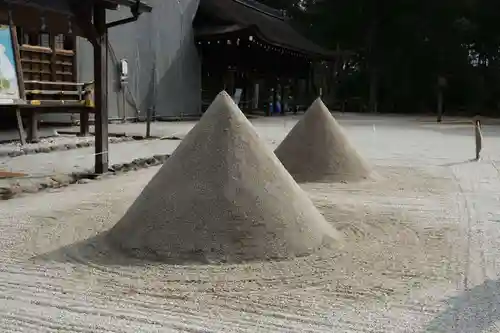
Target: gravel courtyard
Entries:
(422, 249)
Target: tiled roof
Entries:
(270, 24)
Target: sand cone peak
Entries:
(222, 197)
(317, 149)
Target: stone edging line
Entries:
(67, 146)
(19, 186)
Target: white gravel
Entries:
(422, 252)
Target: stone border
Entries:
(66, 146)
(34, 185)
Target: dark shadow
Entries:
(474, 311)
(98, 251)
(459, 163)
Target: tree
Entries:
(402, 48)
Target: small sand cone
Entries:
(317, 149)
(222, 196)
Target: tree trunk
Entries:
(373, 101)
(440, 105)
(373, 66)
(440, 97)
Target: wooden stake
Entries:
(148, 122)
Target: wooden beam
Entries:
(101, 87)
(83, 18)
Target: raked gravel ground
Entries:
(422, 251)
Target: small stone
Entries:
(10, 192)
(127, 167)
(83, 181)
(29, 151)
(140, 161)
(70, 146)
(63, 180)
(48, 183)
(16, 153)
(151, 161)
(160, 158)
(117, 167)
(6, 193)
(45, 149)
(28, 185)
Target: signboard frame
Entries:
(21, 98)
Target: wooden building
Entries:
(47, 69)
(182, 53)
(248, 46)
(169, 58)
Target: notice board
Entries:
(9, 67)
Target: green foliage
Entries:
(409, 44)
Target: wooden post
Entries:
(84, 122)
(20, 127)
(275, 94)
(33, 126)
(440, 105)
(440, 98)
(20, 79)
(283, 96)
(101, 87)
(267, 95)
(149, 115)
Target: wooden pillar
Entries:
(284, 98)
(229, 81)
(33, 135)
(84, 122)
(296, 94)
(101, 88)
(275, 93)
(268, 93)
(20, 81)
(440, 98)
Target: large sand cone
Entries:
(222, 196)
(317, 149)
